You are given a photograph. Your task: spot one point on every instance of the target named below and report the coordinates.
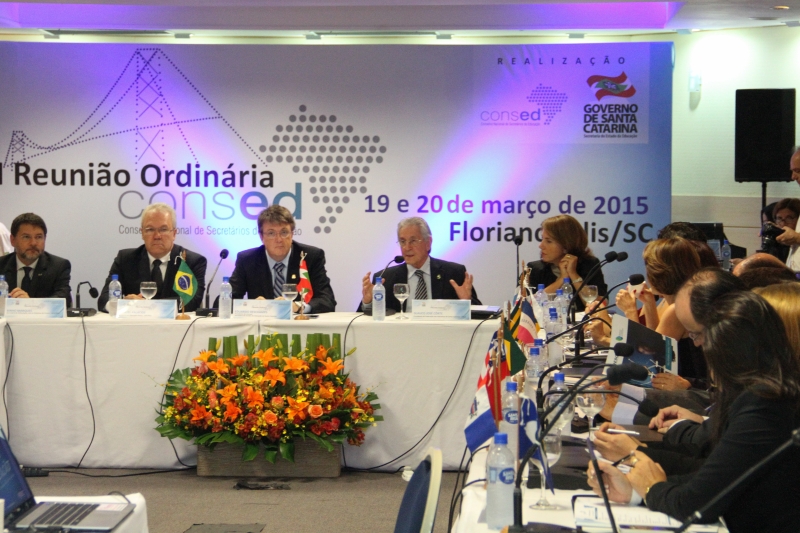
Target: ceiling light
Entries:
(313, 36)
(577, 35)
(780, 7)
(444, 35)
(183, 35)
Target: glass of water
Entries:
(401, 293)
(551, 453)
(591, 402)
(148, 289)
(589, 294)
(289, 292)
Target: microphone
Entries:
(208, 310)
(648, 408)
(574, 327)
(397, 259)
(635, 279)
(518, 242)
(621, 349)
(619, 374)
(78, 311)
(794, 440)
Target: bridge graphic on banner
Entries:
(138, 106)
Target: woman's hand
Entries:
(627, 304)
(568, 266)
(644, 473)
(618, 488)
(667, 416)
(667, 381)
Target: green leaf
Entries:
(339, 439)
(250, 452)
(287, 451)
(271, 455)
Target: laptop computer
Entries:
(22, 511)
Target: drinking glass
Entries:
(552, 453)
(401, 293)
(589, 294)
(148, 289)
(289, 292)
(591, 402)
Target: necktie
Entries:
(422, 288)
(155, 275)
(277, 286)
(26, 280)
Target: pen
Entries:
(622, 432)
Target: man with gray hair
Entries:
(155, 260)
(428, 278)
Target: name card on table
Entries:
(166, 309)
(36, 307)
(441, 309)
(279, 309)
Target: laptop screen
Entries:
(13, 487)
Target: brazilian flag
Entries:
(185, 283)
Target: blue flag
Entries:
(528, 428)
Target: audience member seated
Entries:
(565, 253)
(786, 213)
(757, 376)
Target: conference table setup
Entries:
(86, 391)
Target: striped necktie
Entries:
(277, 287)
(422, 289)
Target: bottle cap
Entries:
(511, 386)
(534, 351)
(567, 280)
(541, 286)
(500, 438)
(538, 342)
(225, 279)
(553, 312)
(2, 277)
(558, 376)
(114, 277)
(725, 241)
(559, 292)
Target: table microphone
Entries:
(223, 254)
(78, 310)
(610, 257)
(619, 374)
(396, 259)
(518, 242)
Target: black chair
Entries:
(418, 508)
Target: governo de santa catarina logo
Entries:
(608, 86)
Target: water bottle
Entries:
(3, 295)
(555, 349)
(510, 422)
(726, 256)
(225, 298)
(540, 296)
(500, 484)
(557, 392)
(567, 288)
(561, 304)
(114, 294)
(378, 301)
(534, 366)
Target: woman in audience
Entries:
(787, 212)
(757, 377)
(565, 254)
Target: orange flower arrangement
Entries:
(266, 397)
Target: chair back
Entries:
(421, 498)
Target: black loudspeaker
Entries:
(765, 128)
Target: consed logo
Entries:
(608, 86)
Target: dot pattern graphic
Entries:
(549, 100)
(333, 156)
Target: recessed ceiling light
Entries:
(780, 7)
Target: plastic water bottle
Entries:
(225, 298)
(540, 296)
(557, 392)
(567, 288)
(510, 422)
(114, 294)
(534, 366)
(561, 304)
(500, 484)
(726, 256)
(3, 295)
(555, 349)
(378, 301)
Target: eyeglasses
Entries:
(412, 242)
(786, 219)
(25, 237)
(161, 231)
(283, 234)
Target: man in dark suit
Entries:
(261, 272)
(156, 260)
(30, 271)
(428, 278)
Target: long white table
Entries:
(413, 366)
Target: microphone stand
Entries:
(539, 393)
(794, 440)
(518, 242)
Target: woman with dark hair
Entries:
(786, 213)
(565, 253)
(757, 376)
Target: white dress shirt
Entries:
(21, 271)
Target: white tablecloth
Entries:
(5, 346)
(413, 367)
(136, 522)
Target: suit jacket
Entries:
(441, 274)
(132, 265)
(50, 278)
(768, 500)
(253, 277)
(542, 273)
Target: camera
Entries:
(769, 232)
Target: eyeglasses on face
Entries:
(283, 234)
(164, 230)
(27, 238)
(786, 219)
(411, 242)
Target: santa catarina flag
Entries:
(304, 286)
